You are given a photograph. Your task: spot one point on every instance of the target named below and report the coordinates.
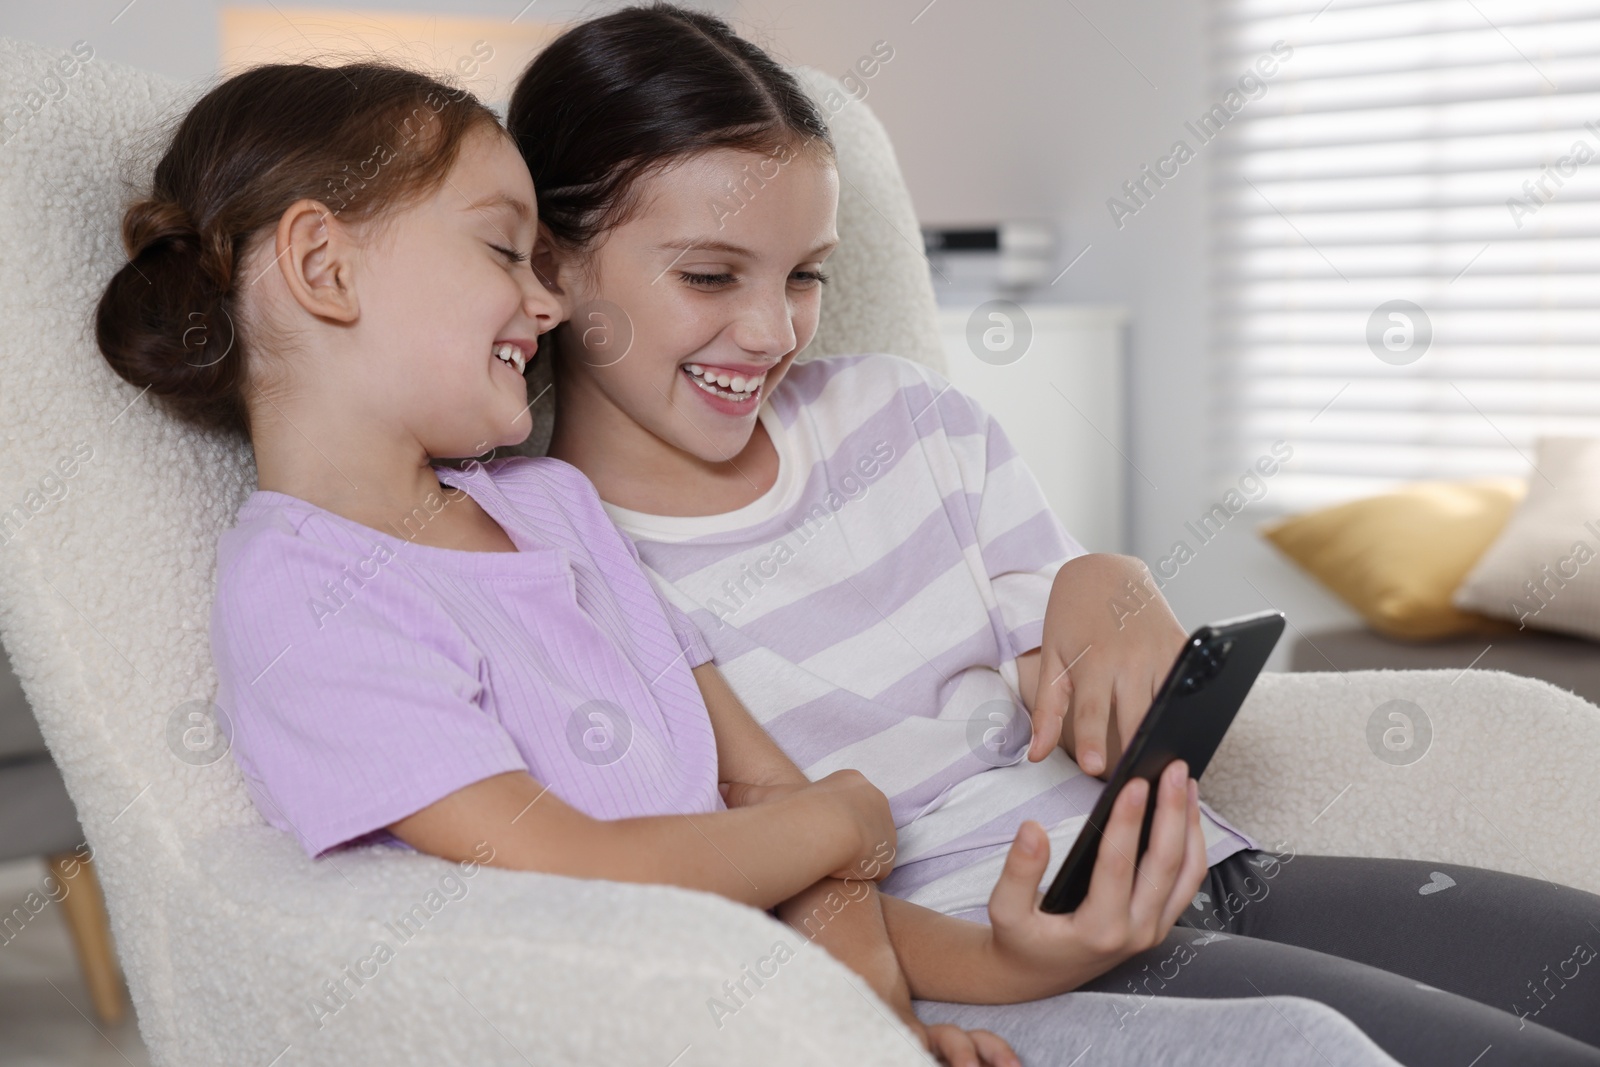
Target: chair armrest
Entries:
(377, 955)
(1506, 781)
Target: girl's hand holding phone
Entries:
(1108, 623)
(1129, 908)
(862, 808)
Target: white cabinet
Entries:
(1061, 404)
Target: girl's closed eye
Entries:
(804, 277)
(706, 280)
(511, 253)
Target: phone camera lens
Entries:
(1213, 657)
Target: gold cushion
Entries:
(1397, 558)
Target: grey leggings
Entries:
(1437, 964)
(1083, 1030)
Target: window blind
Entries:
(1442, 154)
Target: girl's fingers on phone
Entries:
(1194, 862)
(1162, 862)
(1111, 882)
(1050, 705)
(1130, 707)
(1091, 712)
(1017, 889)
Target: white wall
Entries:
(179, 37)
(998, 110)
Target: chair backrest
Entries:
(110, 510)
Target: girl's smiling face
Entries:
(711, 286)
(450, 309)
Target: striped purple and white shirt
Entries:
(870, 607)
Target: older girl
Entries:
(881, 581)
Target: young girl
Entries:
(882, 583)
(471, 663)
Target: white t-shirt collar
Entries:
(775, 501)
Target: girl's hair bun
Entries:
(360, 138)
(163, 322)
(152, 221)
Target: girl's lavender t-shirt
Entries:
(367, 675)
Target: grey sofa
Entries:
(36, 814)
(38, 818)
(1572, 663)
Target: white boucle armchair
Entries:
(240, 950)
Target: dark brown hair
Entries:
(360, 138)
(623, 95)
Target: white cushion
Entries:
(1543, 571)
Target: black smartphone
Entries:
(1192, 710)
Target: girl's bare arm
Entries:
(759, 856)
(848, 916)
(843, 916)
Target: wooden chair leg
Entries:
(85, 909)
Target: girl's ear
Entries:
(316, 258)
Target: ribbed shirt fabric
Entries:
(366, 675)
(870, 607)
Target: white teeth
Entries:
(720, 383)
(510, 353)
(714, 391)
